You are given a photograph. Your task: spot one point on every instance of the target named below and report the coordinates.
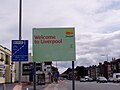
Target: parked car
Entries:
(101, 80)
(116, 77)
(82, 80)
(88, 79)
(110, 79)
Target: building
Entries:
(27, 70)
(100, 70)
(115, 65)
(92, 71)
(7, 67)
(106, 69)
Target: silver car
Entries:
(82, 79)
(101, 80)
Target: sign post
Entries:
(54, 44)
(19, 53)
(34, 84)
(73, 76)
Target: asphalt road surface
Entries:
(97, 86)
(67, 85)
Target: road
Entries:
(67, 85)
(97, 86)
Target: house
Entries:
(7, 67)
(105, 69)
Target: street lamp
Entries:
(106, 56)
(107, 65)
(20, 36)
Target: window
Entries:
(7, 59)
(1, 72)
(119, 65)
(117, 76)
(2, 57)
(44, 69)
(114, 67)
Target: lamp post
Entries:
(107, 74)
(106, 56)
(20, 36)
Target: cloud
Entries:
(90, 47)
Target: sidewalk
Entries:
(16, 86)
(53, 86)
(56, 86)
(38, 87)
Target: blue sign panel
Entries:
(19, 50)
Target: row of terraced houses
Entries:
(105, 69)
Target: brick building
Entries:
(105, 69)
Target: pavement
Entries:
(56, 86)
(38, 87)
(25, 86)
(52, 86)
(16, 86)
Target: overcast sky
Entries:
(96, 22)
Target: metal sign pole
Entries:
(20, 25)
(34, 75)
(73, 78)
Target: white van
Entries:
(116, 77)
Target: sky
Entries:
(96, 22)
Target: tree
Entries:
(81, 71)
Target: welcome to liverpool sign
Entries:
(53, 44)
